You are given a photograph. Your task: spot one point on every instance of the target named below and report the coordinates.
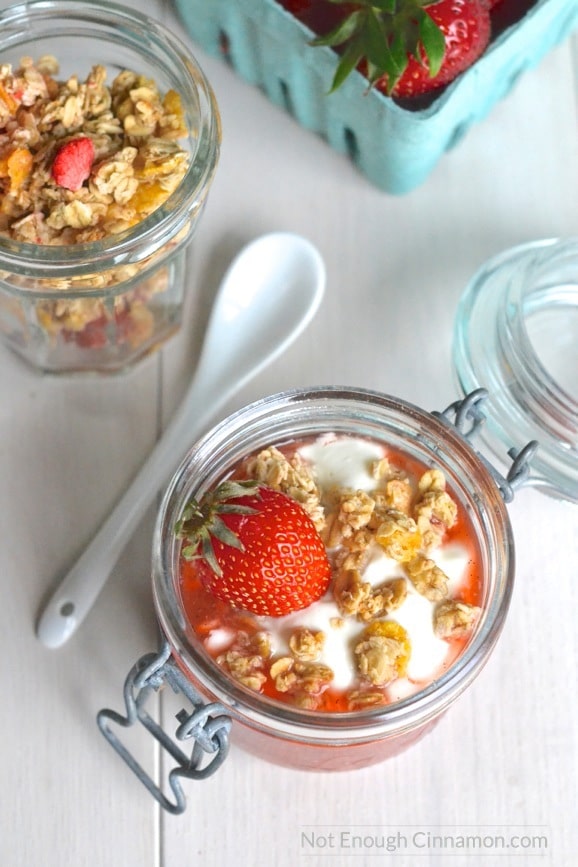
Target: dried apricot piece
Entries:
(19, 167)
(390, 629)
(147, 198)
(8, 100)
(173, 106)
(16, 167)
(399, 536)
(172, 103)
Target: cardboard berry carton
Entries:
(393, 145)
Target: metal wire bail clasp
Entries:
(466, 416)
(208, 725)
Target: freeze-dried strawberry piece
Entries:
(73, 162)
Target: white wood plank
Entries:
(67, 450)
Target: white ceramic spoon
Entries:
(268, 296)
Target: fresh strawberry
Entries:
(408, 47)
(255, 548)
(72, 164)
(321, 16)
(466, 27)
(506, 13)
(297, 7)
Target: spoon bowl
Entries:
(268, 296)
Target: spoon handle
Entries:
(78, 590)
(275, 290)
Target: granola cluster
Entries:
(290, 476)
(248, 660)
(406, 524)
(383, 652)
(403, 516)
(245, 659)
(134, 162)
(134, 130)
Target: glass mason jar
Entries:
(308, 739)
(516, 334)
(103, 305)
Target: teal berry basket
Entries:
(394, 147)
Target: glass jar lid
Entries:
(516, 334)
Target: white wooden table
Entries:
(503, 762)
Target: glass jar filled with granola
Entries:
(333, 567)
(109, 139)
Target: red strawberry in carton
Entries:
(407, 48)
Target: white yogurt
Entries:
(343, 462)
(346, 463)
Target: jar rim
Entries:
(157, 229)
(294, 408)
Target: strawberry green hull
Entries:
(396, 149)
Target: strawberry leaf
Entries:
(208, 554)
(345, 30)
(349, 60)
(377, 41)
(399, 53)
(433, 43)
(226, 536)
(381, 36)
(201, 521)
(231, 490)
(236, 509)
(385, 5)
(189, 552)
